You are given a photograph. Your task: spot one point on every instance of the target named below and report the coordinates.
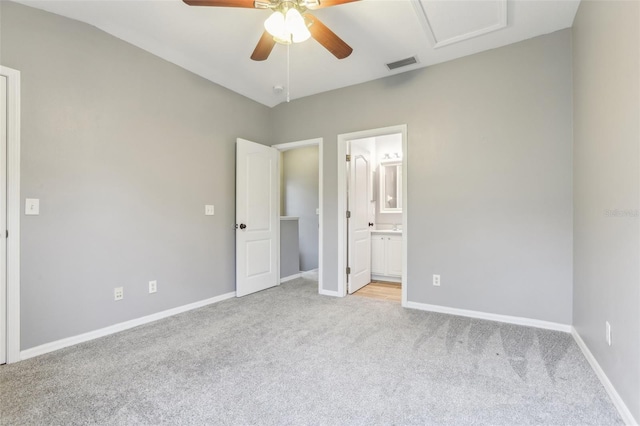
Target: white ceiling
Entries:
(216, 43)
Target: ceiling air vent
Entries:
(402, 63)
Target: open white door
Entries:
(257, 217)
(359, 254)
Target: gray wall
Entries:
(607, 186)
(489, 174)
(289, 248)
(123, 149)
(301, 191)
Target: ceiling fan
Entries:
(289, 23)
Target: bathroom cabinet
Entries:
(386, 256)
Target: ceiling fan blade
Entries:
(323, 35)
(264, 47)
(327, 3)
(222, 3)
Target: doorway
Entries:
(301, 210)
(372, 201)
(9, 215)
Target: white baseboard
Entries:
(491, 317)
(626, 415)
(290, 277)
(74, 340)
(328, 293)
(386, 278)
(313, 273)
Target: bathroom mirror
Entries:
(390, 187)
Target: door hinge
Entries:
(348, 214)
(348, 157)
(7, 233)
(348, 270)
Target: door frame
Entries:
(342, 201)
(282, 147)
(13, 214)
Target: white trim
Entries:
(13, 213)
(342, 201)
(299, 144)
(320, 215)
(331, 293)
(626, 415)
(342, 208)
(405, 209)
(290, 278)
(528, 322)
(278, 224)
(386, 278)
(320, 143)
(85, 337)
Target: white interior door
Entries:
(3, 219)
(359, 257)
(257, 217)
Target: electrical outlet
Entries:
(436, 280)
(118, 293)
(153, 286)
(607, 336)
(209, 210)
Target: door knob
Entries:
(243, 226)
(370, 223)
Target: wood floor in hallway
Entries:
(381, 290)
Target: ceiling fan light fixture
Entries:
(294, 24)
(311, 3)
(289, 22)
(301, 36)
(261, 4)
(287, 28)
(275, 25)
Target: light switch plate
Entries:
(32, 206)
(209, 210)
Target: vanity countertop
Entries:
(386, 231)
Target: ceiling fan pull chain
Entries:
(288, 72)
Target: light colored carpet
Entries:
(289, 356)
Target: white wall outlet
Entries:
(31, 206)
(153, 286)
(118, 293)
(209, 210)
(436, 280)
(607, 336)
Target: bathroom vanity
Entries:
(386, 255)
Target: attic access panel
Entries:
(449, 22)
